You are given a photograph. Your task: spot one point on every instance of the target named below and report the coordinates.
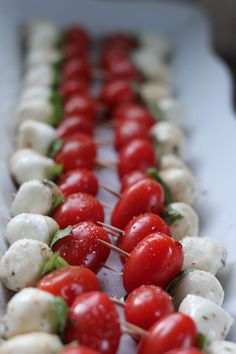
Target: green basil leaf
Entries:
(55, 262)
(60, 40)
(202, 341)
(155, 110)
(58, 201)
(60, 309)
(55, 147)
(55, 172)
(175, 281)
(170, 215)
(60, 234)
(154, 173)
(57, 114)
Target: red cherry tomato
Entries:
(156, 260)
(93, 321)
(77, 151)
(71, 87)
(144, 196)
(134, 111)
(82, 246)
(71, 50)
(79, 180)
(185, 351)
(80, 104)
(174, 331)
(121, 40)
(140, 227)
(131, 178)
(76, 68)
(78, 207)
(77, 34)
(129, 130)
(80, 349)
(146, 305)
(136, 155)
(74, 125)
(111, 54)
(116, 92)
(69, 282)
(122, 68)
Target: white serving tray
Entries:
(202, 83)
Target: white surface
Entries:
(202, 83)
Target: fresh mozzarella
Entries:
(172, 109)
(36, 91)
(36, 135)
(171, 161)
(211, 320)
(30, 310)
(37, 108)
(42, 33)
(169, 138)
(198, 282)
(188, 225)
(32, 226)
(32, 343)
(35, 197)
(42, 56)
(203, 253)
(22, 263)
(27, 164)
(41, 75)
(221, 347)
(153, 41)
(181, 183)
(152, 92)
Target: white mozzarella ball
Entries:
(41, 75)
(172, 109)
(31, 226)
(181, 183)
(35, 197)
(32, 343)
(34, 91)
(198, 282)
(30, 310)
(169, 137)
(22, 263)
(42, 33)
(36, 135)
(188, 225)
(211, 320)
(152, 92)
(156, 43)
(221, 347)
(27, 164)
(204, 253)
(40, 56)
(37, 108)
(171, 161)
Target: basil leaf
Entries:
(170, 215)
(55, 262)
(57, 114)
(60, 234)
(60, 40)
(58, 201)
(175, 281)
(55, 147)
(55, 172)
(155, 110)
(202, 341)
(60, 309)
(154, 173)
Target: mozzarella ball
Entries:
(40, 56)
(203, 253)
(40, 75)
(32, 343)
(37, 108)
(188, 225)
(172, 109)
(198, 282)
(156, 43)
(35, 197)
(153, 92)
(22, 263)
(27, 164)
(211, 320)
(42, 33)
(181, 183)
(221, 347)
(30, 310)
(170, 138)
(171, 161)
(31, 226)
(36, 91)
(36, 135)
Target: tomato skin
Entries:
(80, 104)
(111, 54)
(129, 130)
(78, 181)
(139, 227)
(144, 196)
(116, 92)
(185, 351)
(78, 207)
(76, 68)
(134, 111)
(82, 247)
(136, 155)
(122, 68)
(77, 151)
(131, 178)
(146, 305)
(174, 331)
(93, 321)
(68, 88)
(156, 260)
(69, 282)
(75, 125)
(121, 40)
(80, 349)
(77, 34)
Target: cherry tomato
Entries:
(122, 68)
(121, 40)
(76, 68)
(69, 282)
(77, 34)
(129, 130)
(140, 227)
(134, 111)
(74, 125)
(80, 104)
(78, 207)
(93, 321)
(131, 178)
(69, 88)
(82, 246)
(146, 305)
(144, 196)
(77, 151)
(136, 155)
(116, 92)
(79, 349)
(156, 260)
(111, 54)
(79, 180)
(174, 331)
(185, 351)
